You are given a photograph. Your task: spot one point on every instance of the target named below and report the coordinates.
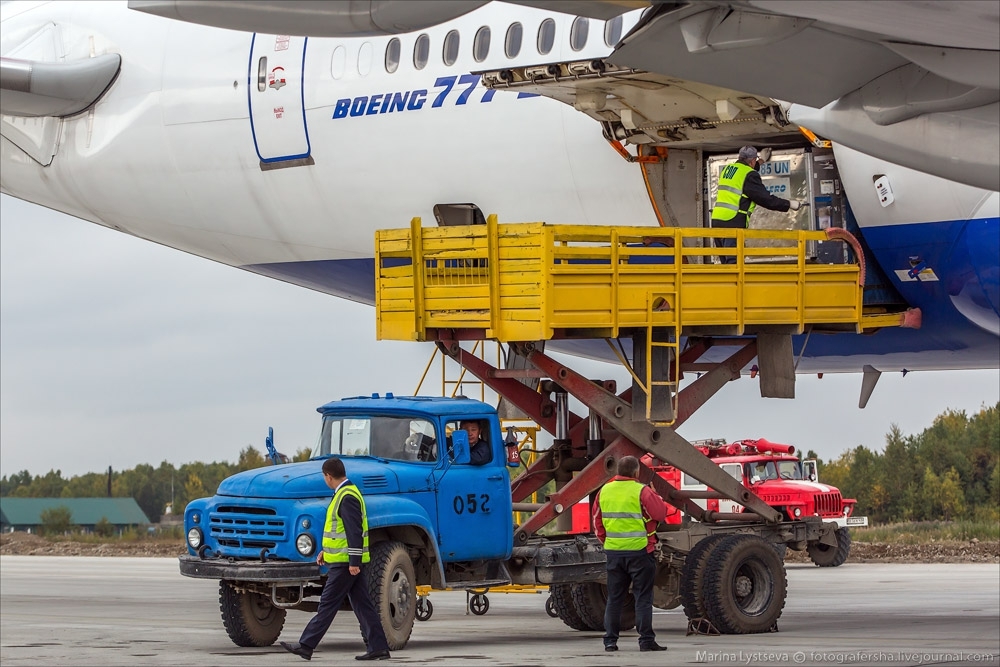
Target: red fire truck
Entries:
(773, 472)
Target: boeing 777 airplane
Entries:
(276, 137)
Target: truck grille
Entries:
(828, 504)
(248, 527)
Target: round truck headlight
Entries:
(305, 544)
(194, 538)
(797, 512)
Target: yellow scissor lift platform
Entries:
(534, 281)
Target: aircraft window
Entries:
(450, 51)
(546, 36)
(613, 31)
(512, 45)
(481, 44)
(365, 59)
(421, 51)
(578, 33)
(338, 62)
(392, 55)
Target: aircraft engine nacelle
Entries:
(350, 18)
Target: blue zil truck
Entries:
(435, 519)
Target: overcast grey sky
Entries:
(116, 351)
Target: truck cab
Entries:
(434, 517)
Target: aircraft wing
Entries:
(911, 82)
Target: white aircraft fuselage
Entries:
(283, 155)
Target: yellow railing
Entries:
(533, 281)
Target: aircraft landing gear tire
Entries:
(392, 585)
(825, 556)
(745, 585)
(250, 618)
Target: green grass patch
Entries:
(925, 532)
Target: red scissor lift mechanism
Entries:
(591, 452)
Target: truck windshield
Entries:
(765, 470)
(398, 438)
(790, 470)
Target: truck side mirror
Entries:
(460, 446)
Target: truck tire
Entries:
(250, 618)
(591, 601)
(393, 589)
(562, 602)
(781, 548)
(745, 585)
(826, 556)
(693, 577)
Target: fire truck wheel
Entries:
(826, 556)
(250, 618)
(781, 548)
(591, 600)
(392, 585)
(562, 601)
(745, 585)
(693, 576)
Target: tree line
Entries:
(152, 488)
(949, 471)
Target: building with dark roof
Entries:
(26, 513)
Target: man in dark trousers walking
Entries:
(345, 551)
(625, 517)
(740, 191)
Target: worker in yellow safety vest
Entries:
(625, 517)
(345, 552)
(740, 192)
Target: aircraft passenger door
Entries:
(277, 106)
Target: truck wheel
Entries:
(591, 600)
(393, 589)
(250, 618)
(781, 548)
(826, 556)
(745, 585)
(562, 601)
(693, 577)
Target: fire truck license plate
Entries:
(856, 521)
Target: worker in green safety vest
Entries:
(345, 552)
(625, 517)
(740, 192)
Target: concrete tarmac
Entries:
(141, 611)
